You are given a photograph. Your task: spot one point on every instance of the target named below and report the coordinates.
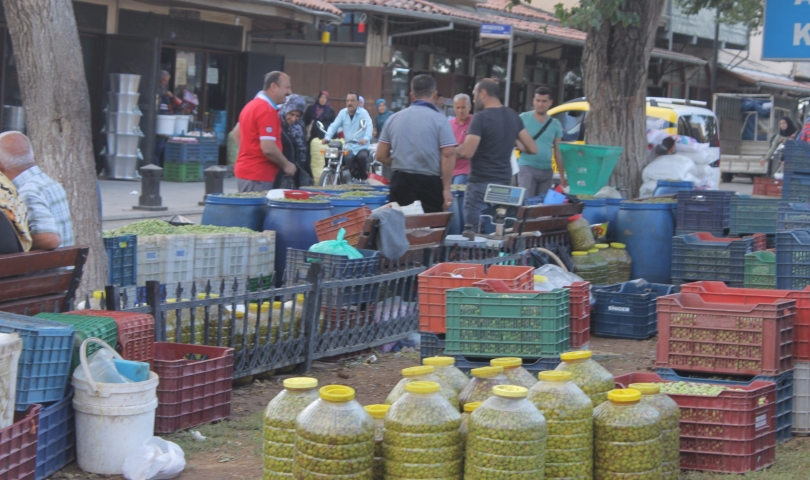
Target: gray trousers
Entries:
(534, 180)
(474, 203)
(252, 186)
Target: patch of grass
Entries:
(244, 433)
(792, 463)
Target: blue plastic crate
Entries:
(336, 267)
(793, 216)
(627, 310)
(703, 257)
(796, 187)
(56, 440)
(122, 254)
(784, 393)
(183, 152)
(792, 260)
(704, 211)
(44, 365)
(431, 345)
(752, 215)
(534, 366)
(797, 157)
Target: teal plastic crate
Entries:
(507, 324)
(752, 215)
(104, 328)
(760, 270)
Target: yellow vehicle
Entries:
(675, 116)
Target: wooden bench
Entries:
(38, 281)
(424, 230)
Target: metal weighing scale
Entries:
(503, 214)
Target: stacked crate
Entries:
(796, 184)
(702, 256)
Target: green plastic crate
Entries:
(760, 270)
(507, 324)
(752, 215)
(182, 172)
(588, 167)
(104, 328)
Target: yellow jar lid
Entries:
(486, 372)
(254, 307)
(540, 279)
(624, 395)
(593, 250)
(97, 294)
(298, 383)
(422, 387)
(201, 296)
(579, 254)
(617, 245)
(337, 393)
(602, 245)
(510, 391)
(420, 370)
(554, 376)
(646, 388)
(377, 411)
(506, 362)
(578, 355)
(470, 407)
(439, 361)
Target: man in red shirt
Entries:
(260, 157)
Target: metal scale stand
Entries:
(506, 201)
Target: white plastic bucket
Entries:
(112, 419)
(165, 125)
(180, 124)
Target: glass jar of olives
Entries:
(378, 412)
(588, 375)
(279, 425)
(445, 369)
(514, 371)
(581, 234)
(625, 261)
(585, 267)
(479, 388)
(422, 373)
(670, 427)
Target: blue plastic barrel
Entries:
(457, 222)
(375, 201)
(341, 205)
(666, 187)
(234, 212)
(612, 208)
(294, 224)
(647, 229)
(595, 211)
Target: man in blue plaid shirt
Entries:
(48, 212)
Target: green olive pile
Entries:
(627, 442)
(479, 389)
(446, 390)
(146, 228)
(301, 200)
(569, 414)
(691, 388)
(338, 187)
(670, 433)
(591, 377)
(519, 376)
(458, 188)
(360, 194)
(279, 431)
(244, 194)
(422, 438)
(506, 440)
(581, 235)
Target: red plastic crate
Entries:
(733, 339)
(768, 187)
(734, 432)
(434, 282)
(719, 292)
(195, 385)
(136, 333)
(760, 242)
(352, 221)
(344, 317)
(18, 446)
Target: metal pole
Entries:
(509, 65)
(714, 52)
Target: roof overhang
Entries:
(288, 9)
(677, 57)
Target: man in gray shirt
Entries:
(419, 145)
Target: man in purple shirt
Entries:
(460, 123)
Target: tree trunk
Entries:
(614, 63)
(57, 114)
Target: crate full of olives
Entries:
(725, 338)
(516, 323)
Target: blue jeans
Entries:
(460, 179)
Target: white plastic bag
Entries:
(514, 162)
(701, 157)
(156, 459)
(102, 368)
(556, 277)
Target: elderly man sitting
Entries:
(48, 212)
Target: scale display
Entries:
(505, 195)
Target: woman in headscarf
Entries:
(293, 137)
(787, 131)
(14, 234)
(320, 111)
(382, 116)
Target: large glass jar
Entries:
(514, 371)
(465, 417)
(601, 266)
(422, 373)
(422, 435)
(670, 427)
(584, 266)
(334, 438)
(588, 375)
(279, 425)
(445, 369)
(581, 234)
(625, 262)
(627, 438)
(480, 386)
(569, 413)
(506, 438)
(612, 263)
(378, 412)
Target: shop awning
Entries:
(768, 80)
(677, 57)
(300, 10)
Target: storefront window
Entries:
(442, 64)
(460, 66)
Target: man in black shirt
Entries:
(489, 143)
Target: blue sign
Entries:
(787, 30)
(492, 30)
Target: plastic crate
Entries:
(183, 152)
(797, 157)
(122, 260)
(784, 393)
(346, 317)
(725, 338)
(352, 221)
(431, 345)
(335, 267)
(760, 270)
(793, 216)
(262, 254)
(701, 256)
(150, 259)
(796, 187)
(18, 446)
(627, 310)
(44, 365)
(580, 315)
(208, 256)
(235, 255)
(767, 187)
(734, 432)
(56, 442)
(752, 215)
(178, 259)
(704, 211)
(136, 333)
(182, 172)
(532, 365)
(435, 281)
(761, 241)
(801, 398)
(85, 326)
(720, 293)
(195, 385)
(518, 323)
(793, 260)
